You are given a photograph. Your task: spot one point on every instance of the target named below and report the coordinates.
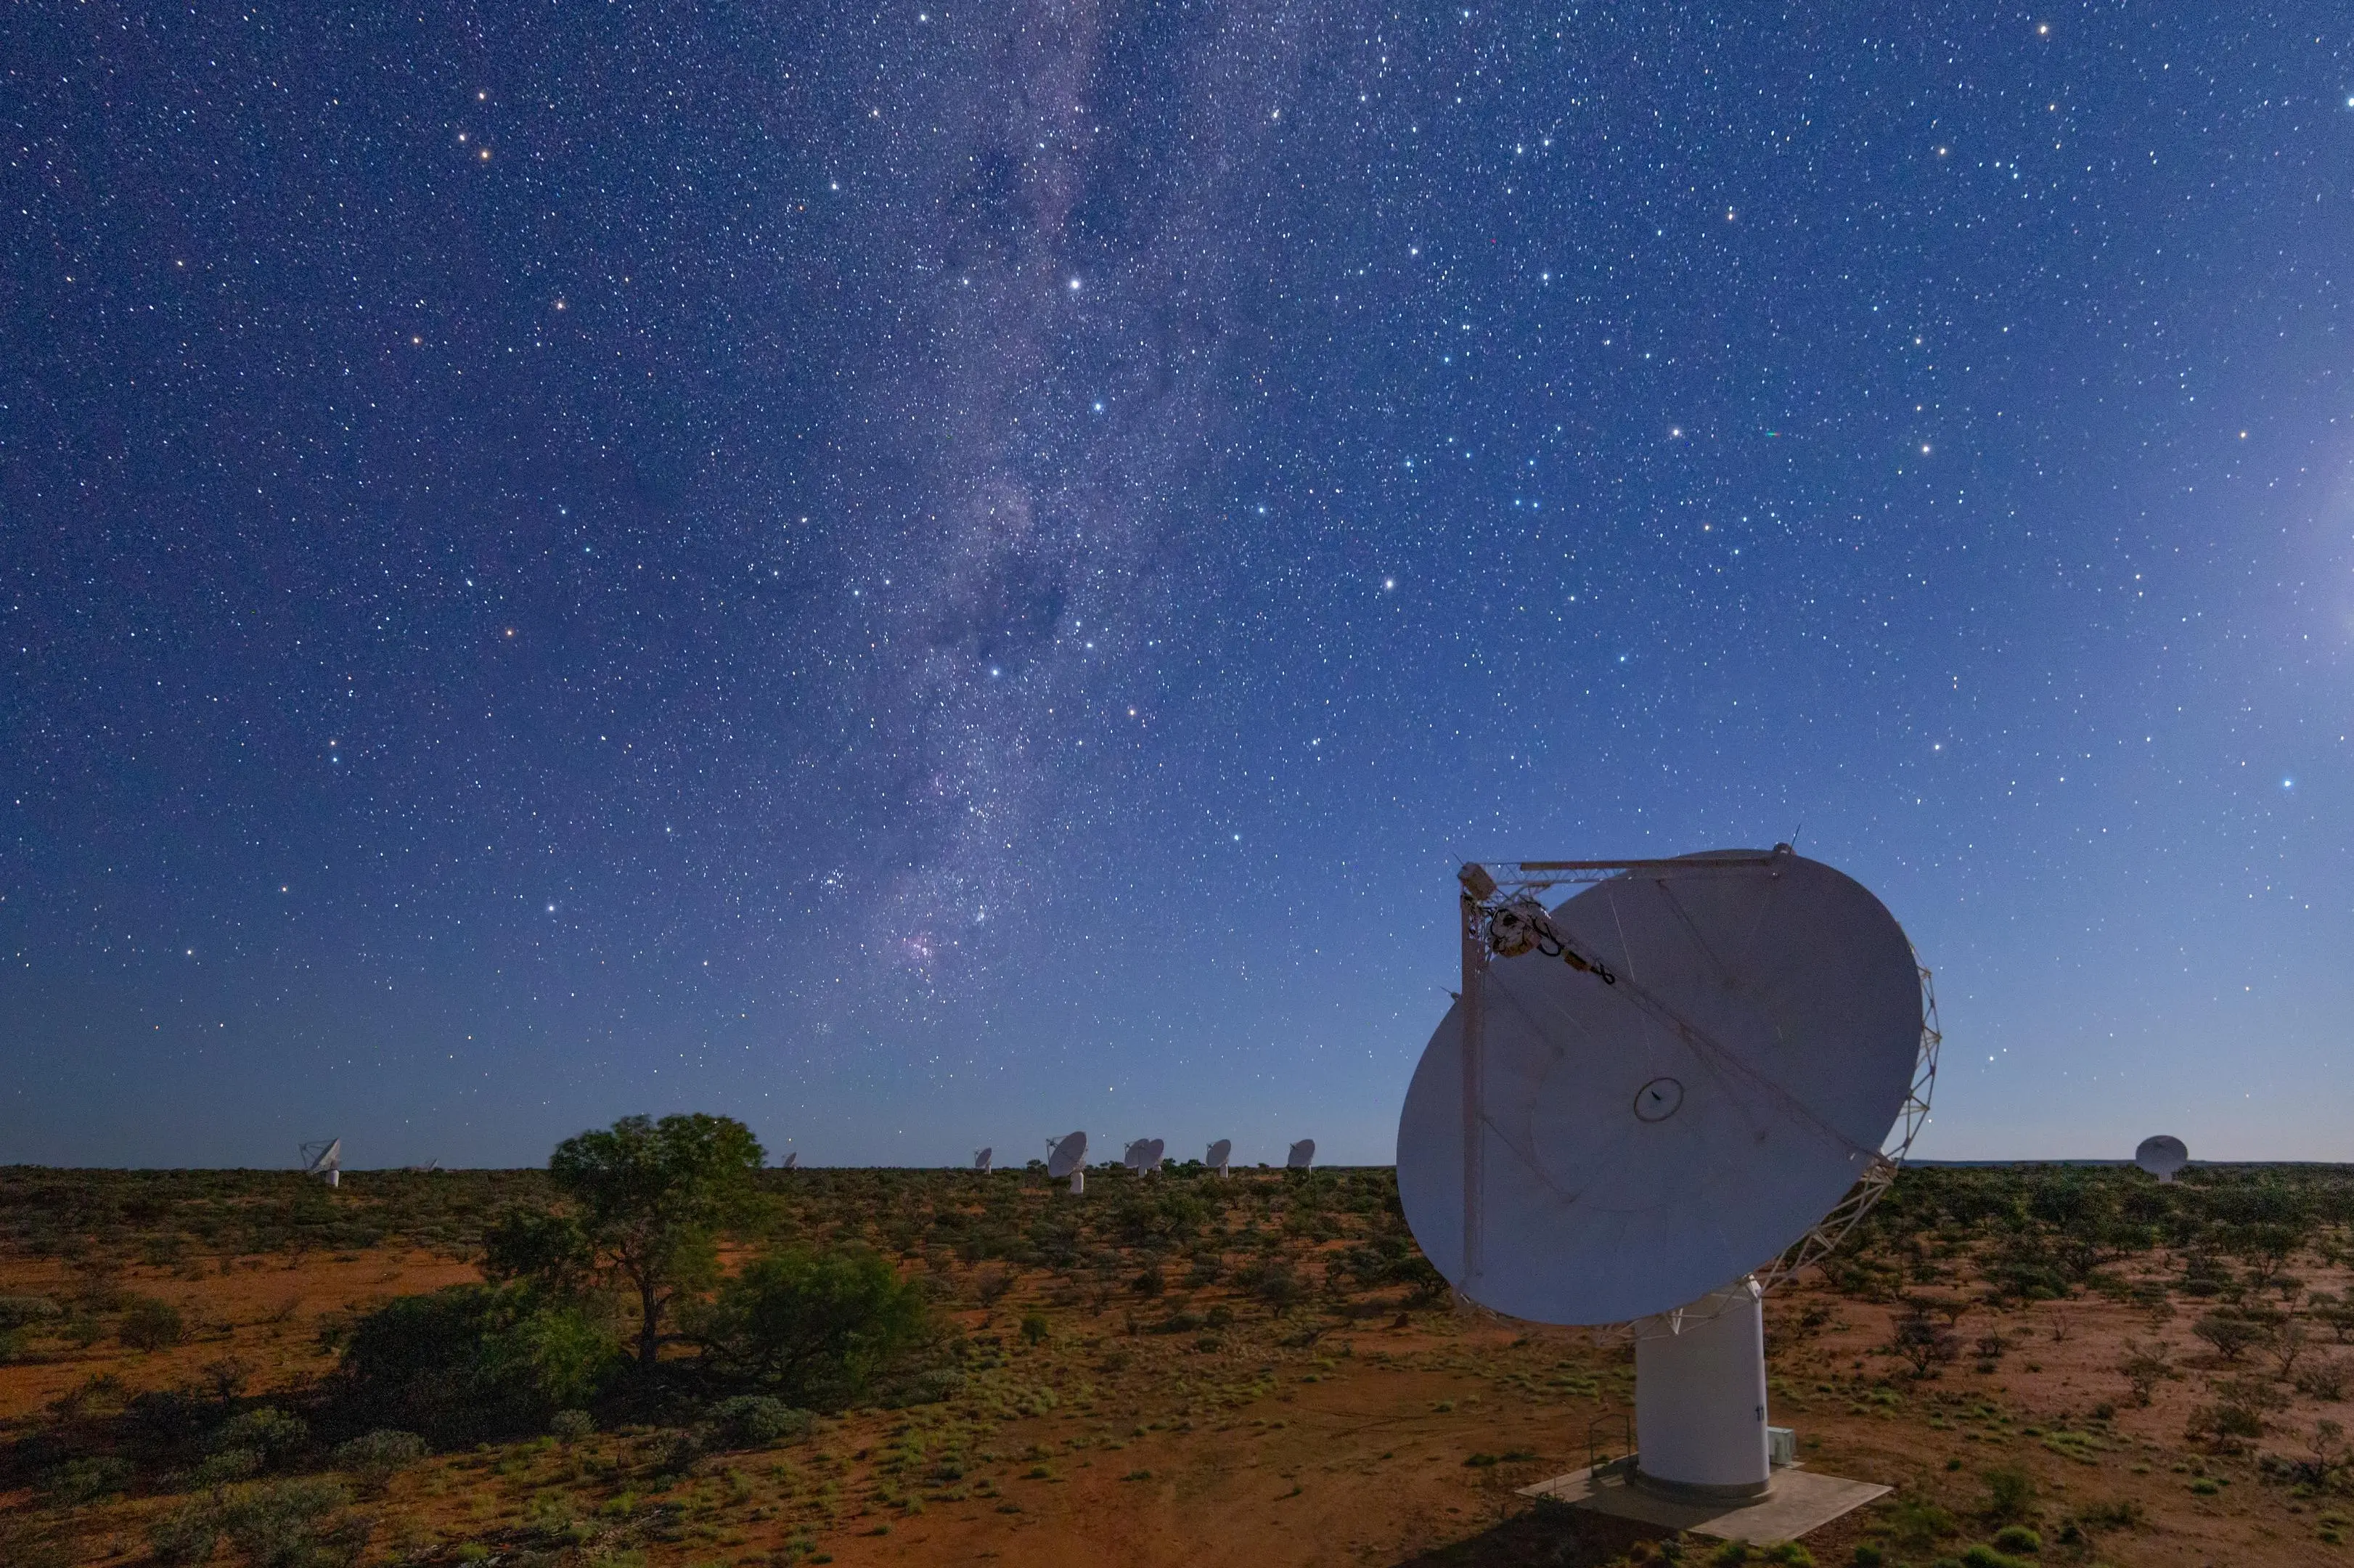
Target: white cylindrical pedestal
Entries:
(1078, 1181)
(1700, 1397)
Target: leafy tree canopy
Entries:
(650, 1195)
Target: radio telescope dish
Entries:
(1220, 1152)
(1691, 1069)
(1687, 1105)
(2162, 1156)
(324, 1159)
(1303, 1155)
(1070, 1159)
(1143, 1155)
(980, 1159)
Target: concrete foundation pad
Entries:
(1798, 1501)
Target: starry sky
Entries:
(926, 578)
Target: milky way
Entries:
(1011, 476)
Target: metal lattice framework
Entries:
(1511, 886)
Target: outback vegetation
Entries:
(659, 1351)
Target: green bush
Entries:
(229, 1464)
(571, 1425)
(1869, 1556)
(818, 1328)
(151, 1325)
(474, 1362)
(1917, 1525)
(86, 1480)
(755, 1421)
(373, 1458)
(277, 1436)
(2010, 1492)
(1987, 1557)
(2018, 1538)
(24, 1311)
(186, 1535)
(294, 1524)
(1035, 1328)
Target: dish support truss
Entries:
(1513, 885)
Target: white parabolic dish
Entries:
(1648, 1141)
(2162, 1156)
(1068, 1156)
(1219, 1151)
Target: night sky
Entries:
(926, 578)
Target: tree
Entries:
(2336, 1312)
(2231, 1333)
(818, 1326)
(651, 1196)
(547, 1249)
(2286, 1342)
(1923, 1338)
(2144, 1368)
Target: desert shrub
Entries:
(294, 1524)
(375, 1457)
(218, 1469)
(1868, 1554)
(2018, 1538)
(1034, 1328)
(2010, 1492)
(1280, 1288)
(151, 1325)
(818, 1326)
(2231, 1333)
(1916, 1524)
(24, 1311)
(2240, 1408)
(2123, 1514)
(225, 1377)
(474, 1362)
(1923, 1339)
(187, 1534)
(571, 1425)
(1984, 1556)
(755, 1420)
(2326, 1380)
(2223, 1424)
(277, 1436)
(930, 1385)
(86, 1480)
(2335, 1312)
(677, 1451)
(1160, 1214)
(2144, 1367)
